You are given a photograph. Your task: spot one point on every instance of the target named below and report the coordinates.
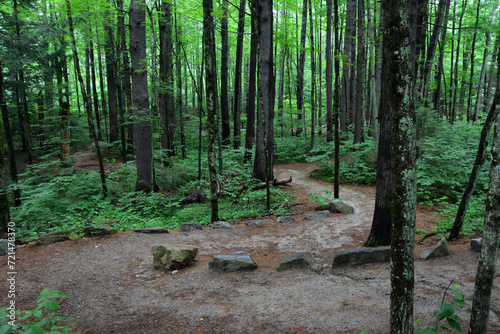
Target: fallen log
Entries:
(262, 185)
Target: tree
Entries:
(491, 233)
(348, 73)
(224, 99)
(328, 55)
(360, 76)
(4, 199)
(237, 77)
(211, 96)
(252, 79)
(300, 67)
(141, 119)
(398, 93)
(336, 97)
(111, 80)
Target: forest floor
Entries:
(112, 286)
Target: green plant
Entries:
(41, 320)
(445, 311)
(322, 199)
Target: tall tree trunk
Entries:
(94, 91)
(348, 74)
(104, 109)
(491, 233)
(141, 119)
(111, 80)
(313, 75)
(454, 111)
(166, 102)
(237, 77)
(300, 69)
(399, 98)
(179, 103)
(444, 30)
(252, 80)
(4, 198)
(360, 76)
(329, 60)
(224, 99)
(86, 101)
(492, 76)
(469, 98)
(336, 106)
(123, 83)
(211, 92)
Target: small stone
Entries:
(475, 244)
(257, 222)
(174, 272)
(286, 219)
(236, 261)
(221, 224)
(362, 255)
(441, 249)
(4, 247)
(317, 215)
(190, 226)
(337, 206)
(151, 230)
(295, 261)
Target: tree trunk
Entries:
(360, 76)
(300, 68)
(4, 198)
(492, 76)
(111, 80)
(86, 102)
(437, 92)
(211, 92)
(237, 77)
(313, 75)
(336, 99)
(469, 98)
(179, 103)
(252, 80)
(141, 118)
(491, 233)
(123, 85)
(224, 99)
(399, 101)
(328, 56)
(94, 91)
(348, 73)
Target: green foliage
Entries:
(42, 319)
(446, 311)
(322, 199)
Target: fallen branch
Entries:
(262, 185)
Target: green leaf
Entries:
(454, 324)
(446, 311)
(51, 305)
(6, 329)
(33, 330)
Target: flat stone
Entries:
(92, 230)
(286, 219)
(441, 249)
(4, 247)
(151, 230)
(173, 257)
(257, 222)
(362, 255)
(236, 261)
(317, 215)
(51, 239)
(190, 226)
(295, 261)
(337, 206)
(221, 224)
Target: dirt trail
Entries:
(112, 286)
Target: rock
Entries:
(173, 257)
(51, 239)
(295, 261)
(221, 225)
(362, 255)
(4, 247)
(475, 244)
(286, 219)
(151, 230)
(337, 206)
(190, 226)
(236, 261)
(317, 215)
(257, 222)
(441, 249)
(91, 230)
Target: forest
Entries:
(152, 113)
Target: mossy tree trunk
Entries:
(4, 200)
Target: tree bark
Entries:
(336, 106)
(313, 75)
(492, 76)
(329, 60)
(300, 69)
(237, 77)
(348, 74)
(111, 80)
(399, 97)
(491, 233)
(4, 199)
(252, 79)
(211, 97)
(469, 98)
(224, 99)
(141, 118)
(360, 76)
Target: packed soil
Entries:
(113, 287)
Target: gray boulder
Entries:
(4, 247)
(475, 244)
(317, 215)
(236, 261)
(51, 239)
(92, 230)
(221, 224)
(261, 222)
(286, 219)
(151, 230)
(173, 257)
(337, 206)
(441, 249)
(190, 226)
(295, 261)
(362, 255)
